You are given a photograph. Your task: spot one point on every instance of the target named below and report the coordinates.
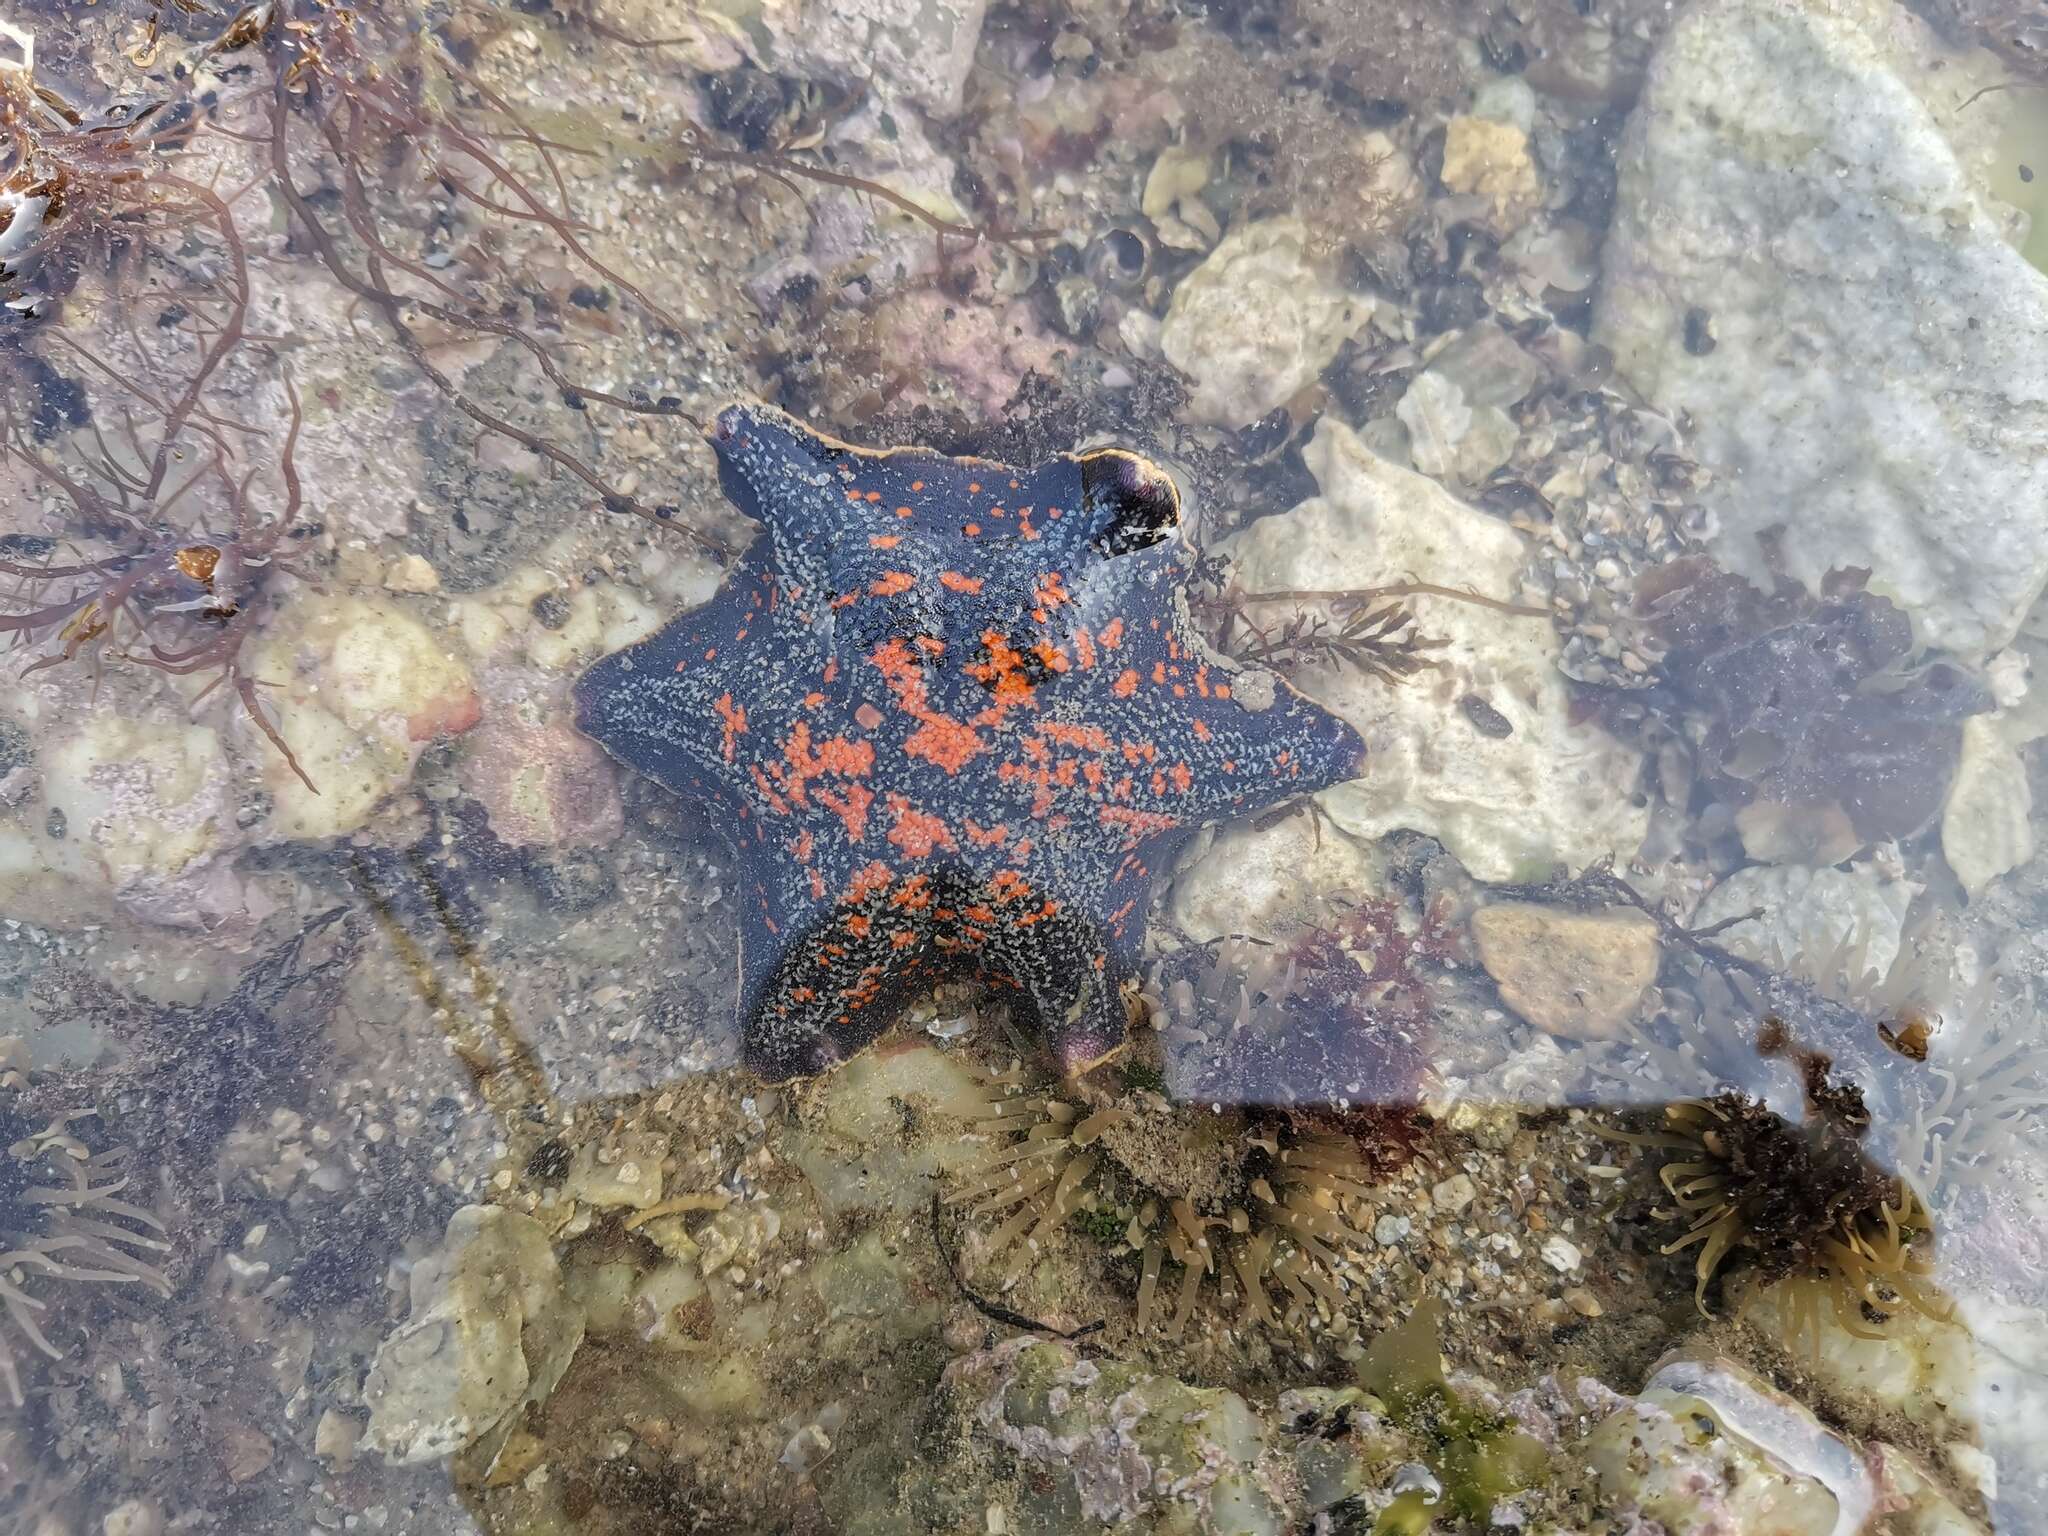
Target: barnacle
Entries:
(1263, 1202)
(67, 1214)
(1788, 1201)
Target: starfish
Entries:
(955, 719)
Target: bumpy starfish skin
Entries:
(954, 720)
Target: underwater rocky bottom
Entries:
(936, 1291)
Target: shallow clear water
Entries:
(1389, 885)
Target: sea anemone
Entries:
(64, 1216)
(1967, 1078)
(1266, 1202)
(1789, 1200)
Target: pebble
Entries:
(411, 573)
(1561, 1253)
(133, 1518)
(1577, 975)
(1454, 1193)
(335, 1438)
(1390, 1229)
(965, 1330)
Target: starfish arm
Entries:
(1066, 972)
(820, 980)
(1119, 771)
(673, 705)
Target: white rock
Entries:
(137, 799)
(1270, 882)
(1256, 322)
(1922, 1369)
(491, 1329)
(1450, 437)
(1511, 807)
(1804, 176)
(499, 623)
(1454, 1193)
(1987, 827)
(1917, 1504)
(1561, 1253)
(921, 50)
(411, 573)
(1812, 918)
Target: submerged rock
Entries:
(492, 1328)
(1708, 1449)
(1835, 927)
(921, 50)
(131, 806)
(541, 783)
(360, 688)
(1531, 789)
(1800, 188)
(1987, 827)
(1108, 1442)
(1491, 160)
(1579, 975)
(1256, 322)
(1272, 880)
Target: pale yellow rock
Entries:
(499, 623)
(1271, 880)
(352, 772)
(1576, 974)
(619, 1173)
(1918, 1504)
(141, 798)
(856, 1160)
(1180, 171)
(1491, 159)
(357, 686)
(1256, 322)
(1922, 1368)
(668, 1306)
(492, 1329)
(411, 573)
(335, 1438)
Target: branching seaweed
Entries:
(367, 104)
(187, 515)
(1369, 629)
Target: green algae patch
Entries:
(1477, 1454)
